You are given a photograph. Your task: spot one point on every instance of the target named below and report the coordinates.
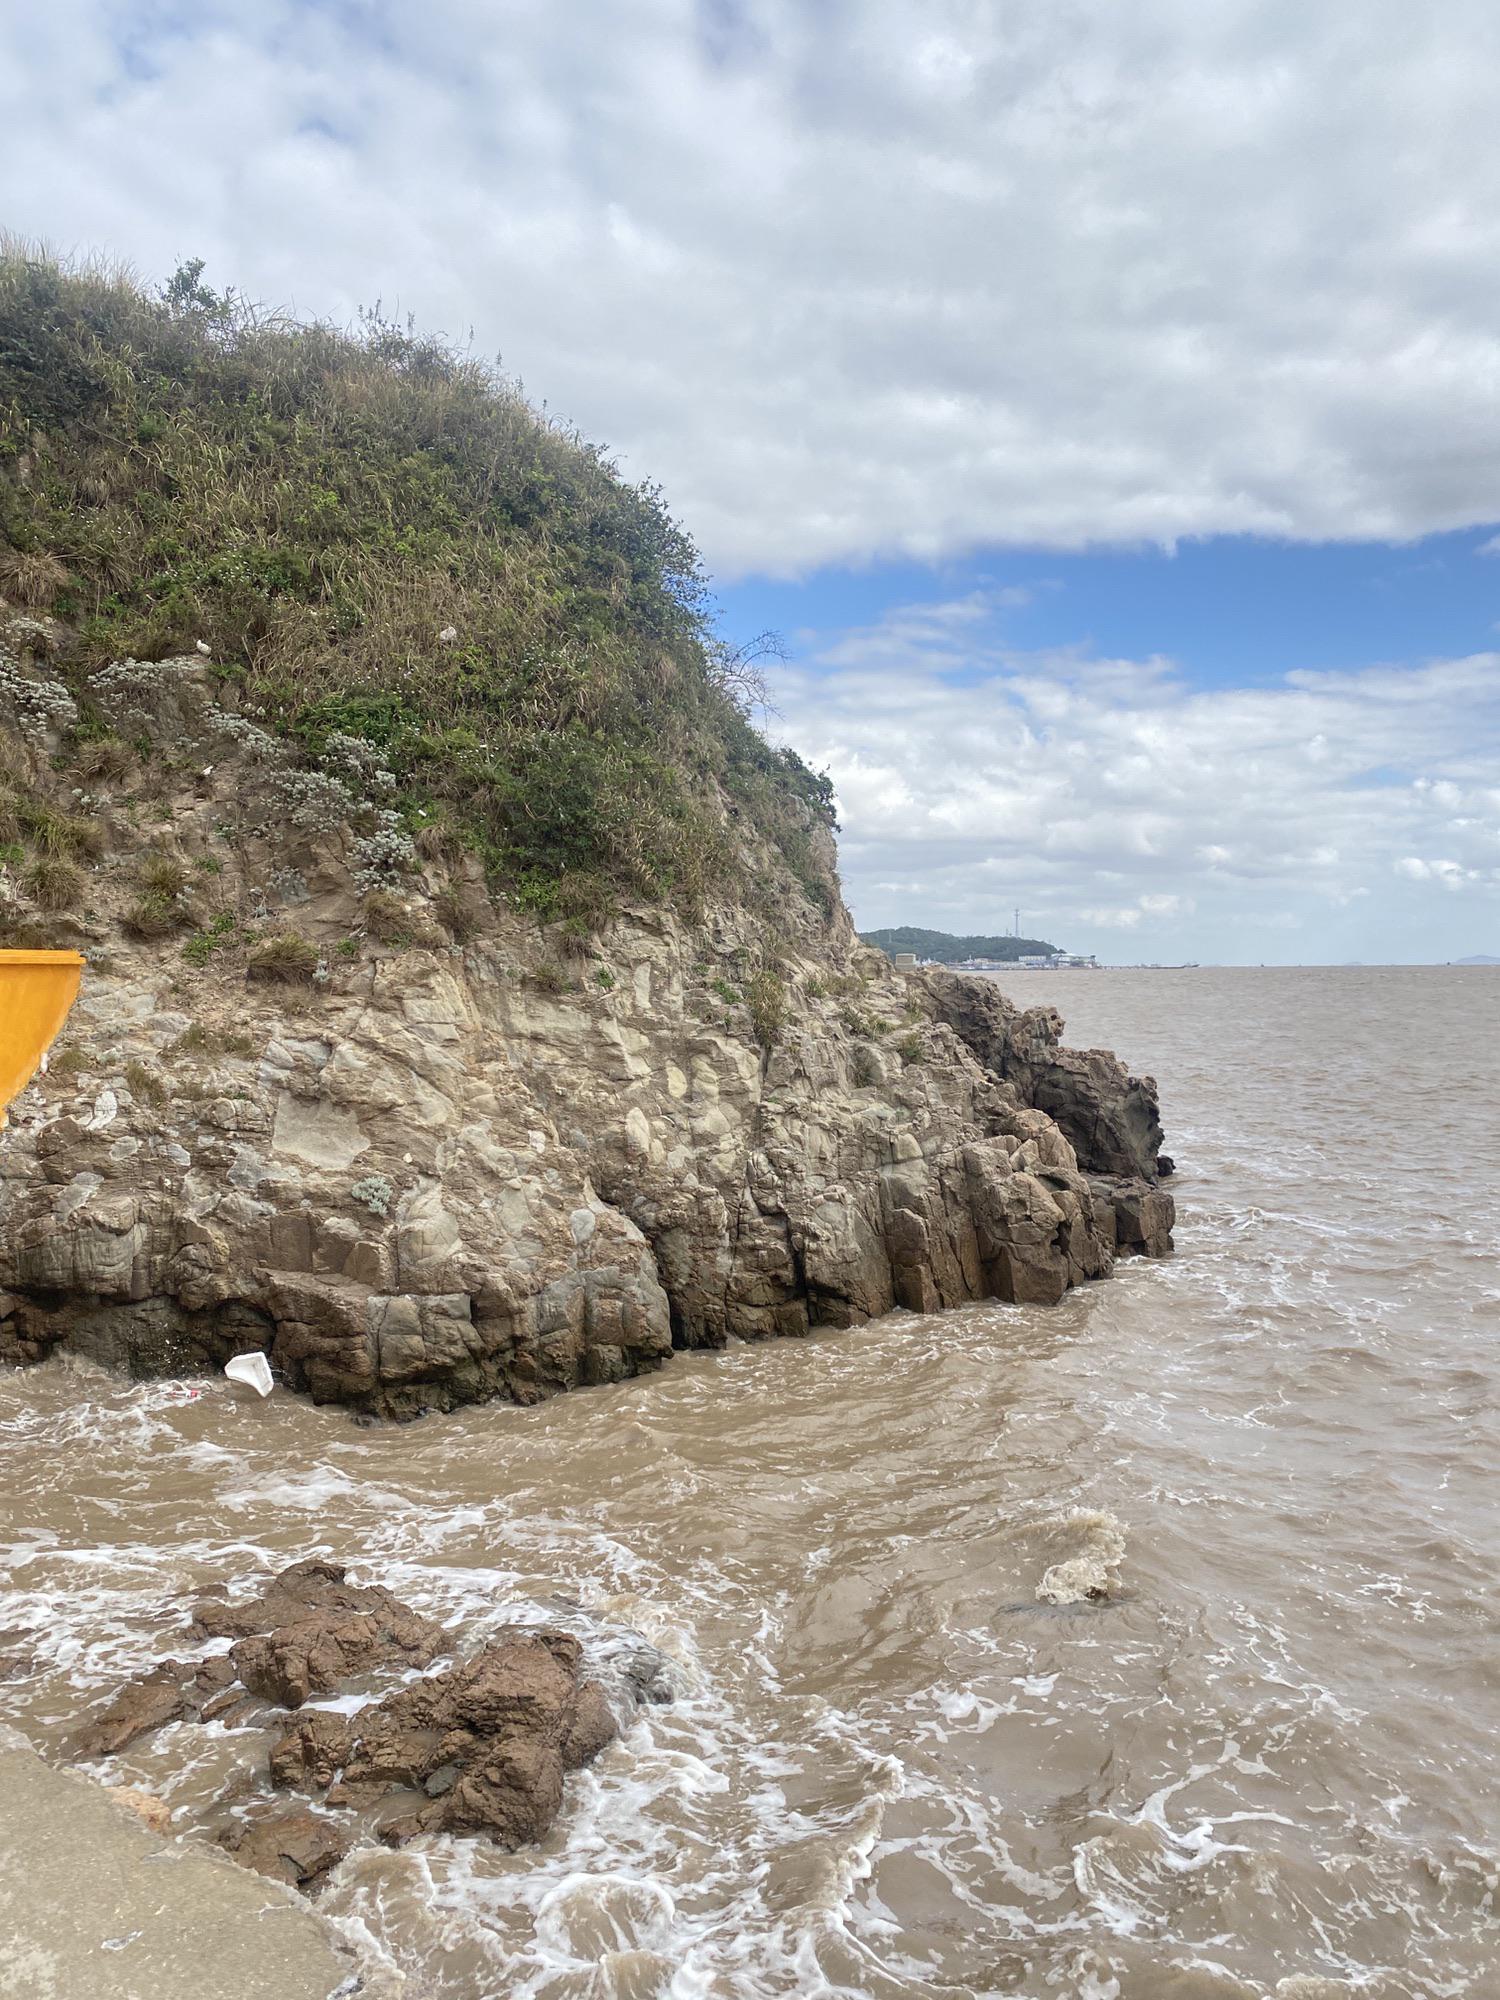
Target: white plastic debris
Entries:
(206, 651)
(253, 1370)
(447, 636)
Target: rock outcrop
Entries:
(1110, 1118)
(481, 1747)
(308, 1632)
(422, 1151)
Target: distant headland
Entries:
(938, 948)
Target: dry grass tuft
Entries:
(32, 578)
(54, 883)
(104, 760)
(459, 912)
(387, 917)
(163, 874)
(146, 1086)
(155, 917)
(288, 958)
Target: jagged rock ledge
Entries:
(448, 1162)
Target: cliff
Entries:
(432, 1152)
(471, 1009)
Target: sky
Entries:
(1102, 403)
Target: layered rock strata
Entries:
(452, 1155)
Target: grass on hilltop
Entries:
(318, 507)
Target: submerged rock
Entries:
(481, 1748)
(309, 1631)
(295, 1847)
(176, 1691)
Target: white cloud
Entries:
(1450, 874)
(1105, 796)
(893, 277)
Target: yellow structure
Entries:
(36, 990)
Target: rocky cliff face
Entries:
(325, 1095)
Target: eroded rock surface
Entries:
(294, 1847)
(479, 1749)
(309, 1631)
(1110, 1118)
(486, 1160)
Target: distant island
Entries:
(945, 950)
(1479, 958)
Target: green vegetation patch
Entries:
(378, 539)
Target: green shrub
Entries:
(725, 991)
(605, 978)
(859, 1023)
(53, 832)
(374, 1192)
(909, 1048)
(864, 1068)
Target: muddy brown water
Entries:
(1263, 1764)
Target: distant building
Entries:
(1058, 961)
(906, 961)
